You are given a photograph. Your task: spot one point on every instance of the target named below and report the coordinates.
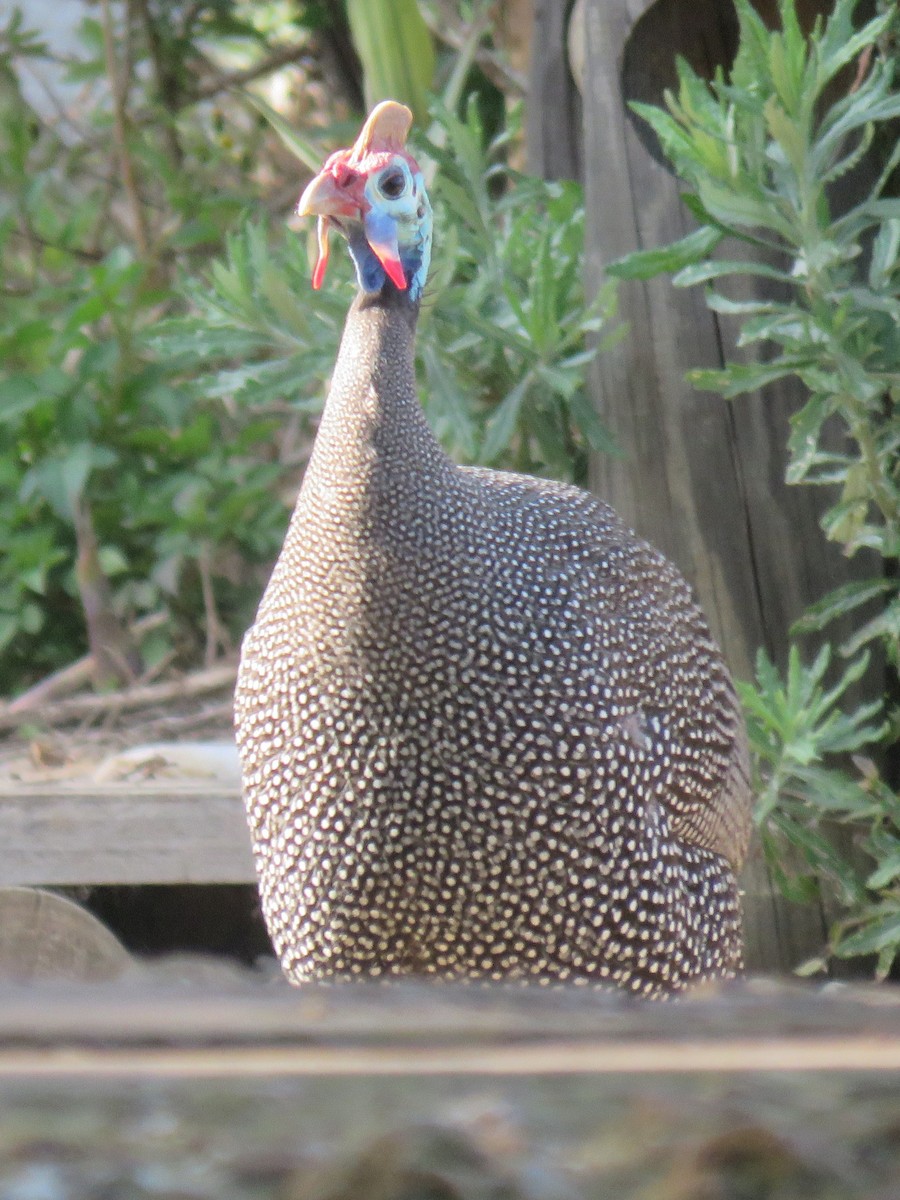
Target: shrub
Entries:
(162, 355)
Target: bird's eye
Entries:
(392, 184)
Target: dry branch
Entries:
(281, 57)
(79, 708)
(69, 679)
(118, 86)
(445, 27)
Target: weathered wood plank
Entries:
(518, 1138)
(560, 1058)
(418, 1029)
(553, 112)
(160, 832)
(357, 1090)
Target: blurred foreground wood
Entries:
(144, 1024)
(253, 1089)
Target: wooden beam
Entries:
(132, 833)
(701, 479)
(553, 111)
(558, 1058)
(369, 1090)
(265, 1029)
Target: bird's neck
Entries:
(374, 445)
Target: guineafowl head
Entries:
(374, 195)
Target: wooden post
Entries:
(553, 111)
(702, 479)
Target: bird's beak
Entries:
(323, 198)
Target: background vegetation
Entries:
(160, 359)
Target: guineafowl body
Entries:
(485, 731)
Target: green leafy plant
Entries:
(162, 355)
(510, 333)
(797, 727)
(760, 154)
(122, 494)
(397, 52)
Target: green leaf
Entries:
(446, 403)
(788, 134)
(60, 479)
(396, 50)
(751, 63)
(18, 397)
(739, 308)
(886, 874)
(644, 264)
(817, 965)
(819, 853)
(885, 626)
(860, 113)
(589, 422)
(885, 260)
(742, 207)
(862, 217)
(788, 325)
(827, 790)
(737, 378)
(839, 602)
(877, 933)
(701, 272)
(463, 205)
(502, 423)
(309, 152)
(840, 43)
(674, 140)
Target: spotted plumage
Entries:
(485, 731)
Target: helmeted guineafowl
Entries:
(484, 729)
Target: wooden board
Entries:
(553, 111)
(133, 833)
(143, 1026)
(272, 1093)
(465, 1138)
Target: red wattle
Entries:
(322, 260)
(394, 269)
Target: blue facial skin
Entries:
(370, 274)
(402, 221)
